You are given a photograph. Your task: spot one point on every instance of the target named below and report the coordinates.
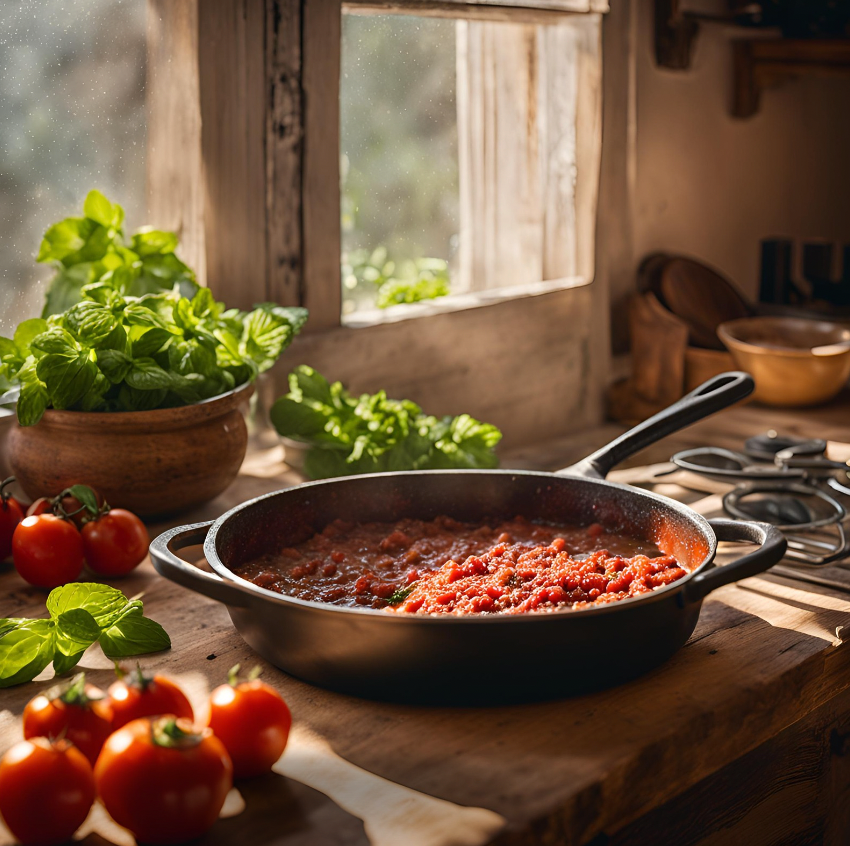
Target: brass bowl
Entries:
(795, 362)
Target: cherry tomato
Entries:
(115, 543)
(252, 721)
(163, 778)
(43, 505)
(47, 551)
(78, 712)
(11, 514)
(138, 695)
(46, 790)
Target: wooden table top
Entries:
(765, 653)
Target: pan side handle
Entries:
(772, 547)
(715, 394)
(167, 563)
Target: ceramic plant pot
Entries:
(151, 462)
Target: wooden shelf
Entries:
(765, 63)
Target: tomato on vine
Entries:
(163, 779)
(47, 551)
(115, 542)
(252, 721)
(136, 695)
(76, 711)
(11, 513)
(46, 790)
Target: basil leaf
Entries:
(99, 209)
(64, 663)
(65, 289)
(91, 322)
(55, 340)
(151, 342)
(148, 241)
(114, 364)
(267, 333)
(134, 634)
(76, 630)
(95, 397)
(25, 651)
(67, 377)
(32, 402)
(130, 399)
(28, 330)
(147, 375)
(104, 603)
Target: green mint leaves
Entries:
(81, 614)
(373, 434)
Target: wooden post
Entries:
(234, 86)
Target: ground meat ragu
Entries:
(445, 566)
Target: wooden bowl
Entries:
(795, 362)
(151, 462)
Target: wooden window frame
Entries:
(243, 138)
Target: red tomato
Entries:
(163, 779)
(47, 551)
(46, 791)
(75, 510)
(252, 721)
(137, 695)
(115, 543)
(11, 514)
(78, 712)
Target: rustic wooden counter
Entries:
(743, 737)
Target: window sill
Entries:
(457, 302)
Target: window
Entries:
(253, 152)
(460, 157)
(72, 117)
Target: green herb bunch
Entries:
(134, 331)
(371, 433)
(93, 248)
(81, 614)
(111, 352)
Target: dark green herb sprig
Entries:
(371, 433)
(81, 614)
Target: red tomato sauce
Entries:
(443, 566)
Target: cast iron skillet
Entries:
(476, 658)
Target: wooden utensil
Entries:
(702, 298)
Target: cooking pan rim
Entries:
(285, 600)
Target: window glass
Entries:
(399, 167)
(72, 118)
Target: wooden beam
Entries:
(175, 188)
(321, 236)
(284, 150)
(232, 70)
(236, 89)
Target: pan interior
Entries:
(270, 523)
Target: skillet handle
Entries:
(715, 394)
(772, 547)
(170, 565)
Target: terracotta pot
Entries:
(151, 462)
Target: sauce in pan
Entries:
(443, 566)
